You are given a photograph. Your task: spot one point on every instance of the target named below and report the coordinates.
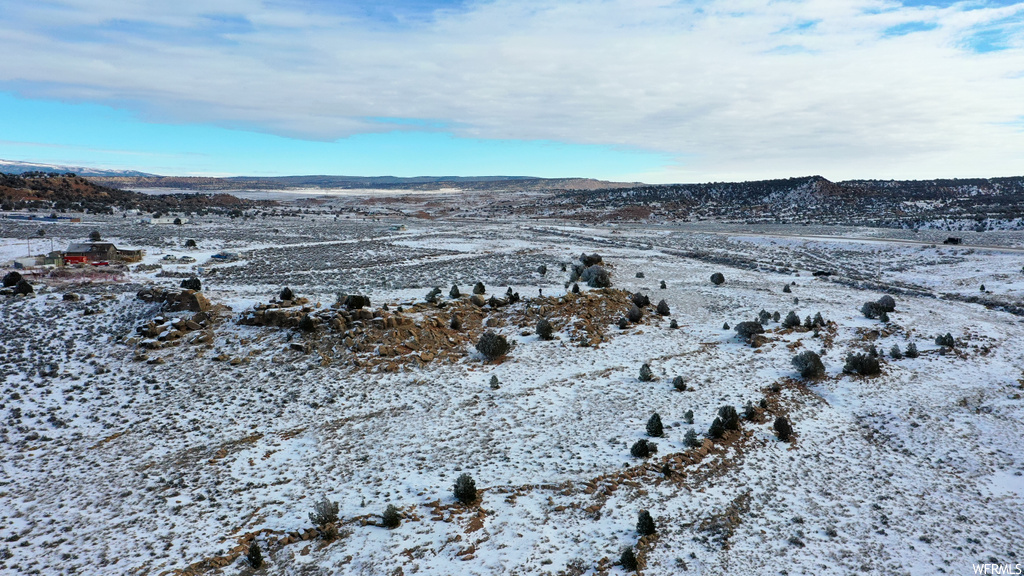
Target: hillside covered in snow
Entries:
(150, 429)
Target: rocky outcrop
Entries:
(290, 314)
(175, 301)
(194, 329)
(415, 334)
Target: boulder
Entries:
(11, 279)
(150, 294)
(189, 300)
(23, 287)
(356, 302)
(596, 277)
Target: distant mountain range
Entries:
(17, 167)
(480, 183)
(977, 202)
(967, 203)
(135, 179)
(33, 190)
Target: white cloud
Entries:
(703, 81)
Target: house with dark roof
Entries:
(81, 252)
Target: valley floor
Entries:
(123, 460)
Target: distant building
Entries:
(27, 262)
(99, 252)
(55, 258)
(51, 260)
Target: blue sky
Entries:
(651, 90)
(100, 136)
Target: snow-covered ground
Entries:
(117, 466)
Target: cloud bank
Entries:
(729, 89)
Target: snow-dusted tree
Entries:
(863, 364)
(645, 523)
(254, 556)
(747, 330)
(808, 364)
(654, 427)
(783, 428)
(717, 429)
(872, 310)
(324, 512)
(641, 300)
(492, 345)
(544, 329)
(640, 449)
(691, 438)
(791, 320)
(887, 303)
(465, 489)
(912, 350)
(749, 413)
(663, 308)
(645, 373)
(730, 419)
(596, 277)
(433, 295)
(628, 560)
(391, 517)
